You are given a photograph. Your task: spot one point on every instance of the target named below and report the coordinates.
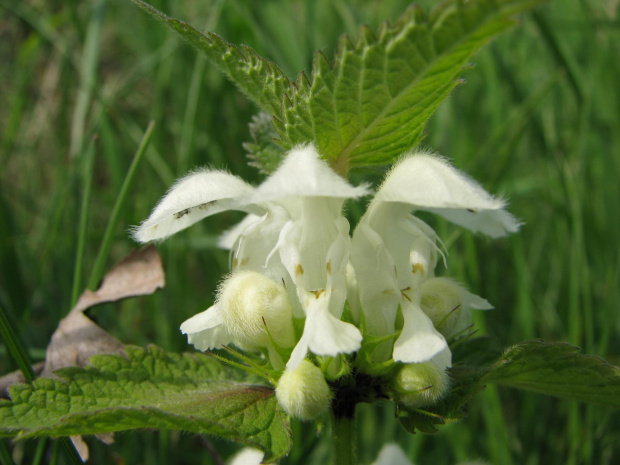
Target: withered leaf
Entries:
(77, 337)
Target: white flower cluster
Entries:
(293, 258)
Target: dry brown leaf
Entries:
(80, 446)
(77, 337)
(139, 273)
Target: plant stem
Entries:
(343, 440)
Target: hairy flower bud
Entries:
(443, 303)
(251, 304)
(420, 384)
(303, 392)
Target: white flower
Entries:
(295, 235)
(247, 456)
(394, 254)
(292, 256)
(391, 454)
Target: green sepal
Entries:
(249, 365)
(450, 408)
(364, 362)
(336, 367)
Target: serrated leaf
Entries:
(260, 79)
(557, 369)
(149, 389)
(371, 105)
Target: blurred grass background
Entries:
(538, 121)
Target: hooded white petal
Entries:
(313, 246)
(257, 243)
(304, 174)
(192, 198)
(391, 454)
(473, 301)
(431, 183)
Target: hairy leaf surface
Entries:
(371, 104)
(557, 369)
(149, 389)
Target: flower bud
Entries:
(442, 302)
(251, 304)
(303, 392)
(420, 384)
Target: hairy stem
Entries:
(343, 440)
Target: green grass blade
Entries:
(261, 80)
(5, 454)
(97, 272)
(87, 183)
(88, 70)
(67, 445)
(15, 347)
(560, 55)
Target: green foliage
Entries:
(557, 369)
(551, 368)
(149, 389)
(372, 103)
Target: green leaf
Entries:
(260, 79)
(149, 389)
(371, 105)
(557, 369)
(551, 368)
